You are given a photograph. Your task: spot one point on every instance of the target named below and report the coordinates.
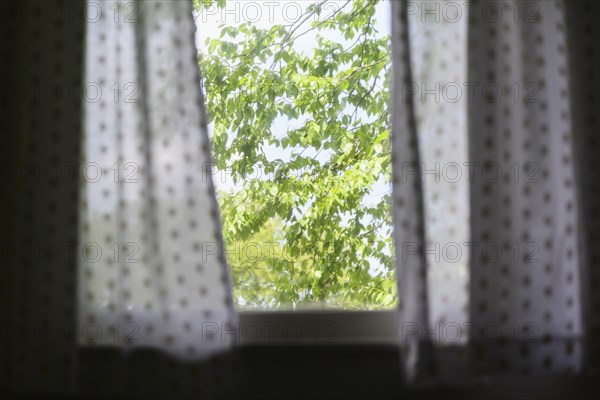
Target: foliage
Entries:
(314, 202)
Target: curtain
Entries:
(526, 299)
(41, 137)
(115, 240)
(153, 264)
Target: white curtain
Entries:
(113, 239)
(521, 298)
(153, 271)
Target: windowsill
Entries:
(318, 328)
(359, 358)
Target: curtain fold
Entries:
(583, 35)
(530, 97)
(42, 111)
(409, 232)
(533, 296)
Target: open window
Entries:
(298, 99)
(298, 95)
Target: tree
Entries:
(315, 201)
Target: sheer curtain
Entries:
(115, 240)
(153, 264)
(530, 97)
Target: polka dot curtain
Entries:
(492, 175)
(153, 271)
(114, 239)
(42, 60)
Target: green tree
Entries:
(316, 202)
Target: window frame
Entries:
(318, 328)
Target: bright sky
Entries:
(266, 13)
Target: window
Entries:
(298, 100)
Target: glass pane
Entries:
(298, 99)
